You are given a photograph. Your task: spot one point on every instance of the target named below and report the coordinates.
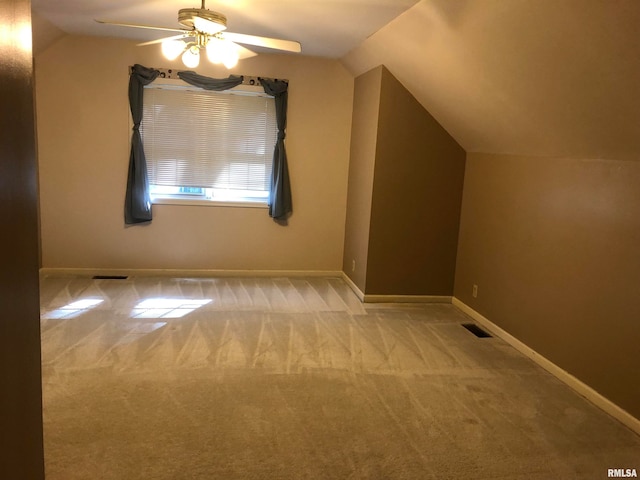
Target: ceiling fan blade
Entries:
(275, 43)
(243, 52)
(150, 27)
(160, 40)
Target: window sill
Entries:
(199, 202)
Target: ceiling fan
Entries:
(204, 29)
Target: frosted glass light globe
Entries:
(191, 57)
(215, 51)
(207, 26)
(230, 58)
(222, 51)
(171, 49)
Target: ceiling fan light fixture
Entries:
(191, 57)
(171, 49)
(222, 51)
(215, 50)
(230, 58)
(207, 26)
(203, 20)
(204, 29)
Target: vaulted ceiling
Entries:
(530, 77)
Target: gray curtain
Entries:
(208, 83)
(280, 205)
(137, 203)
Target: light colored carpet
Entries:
(295, 378)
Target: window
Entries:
(205, 146)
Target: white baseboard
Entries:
(186, 273)
(359, 293)
(406, 298)
(582, 388)
(367, 298)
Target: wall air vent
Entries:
(476, 330)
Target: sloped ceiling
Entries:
(44, 33)
(529, 77)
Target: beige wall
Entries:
(405, 191)
(366, 106)
(553, 246)
(417, 193)
(84, 131)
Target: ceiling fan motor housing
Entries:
(186, 17)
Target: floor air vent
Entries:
(476, 330)
(109, 277)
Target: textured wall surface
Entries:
(84, 134)
(417, 193)
(405, 191)
(364, 135)
(553, 245)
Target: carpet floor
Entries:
(294, 378)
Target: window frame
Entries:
(189, 199)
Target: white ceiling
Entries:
(326, 28)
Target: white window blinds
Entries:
(199, 138)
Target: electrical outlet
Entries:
(353, 265)
(474, 293)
